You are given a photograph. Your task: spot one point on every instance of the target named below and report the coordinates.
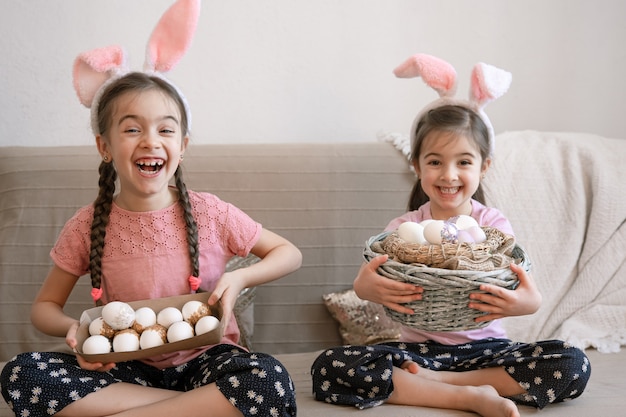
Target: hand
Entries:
(369, 285)
(71, 341)
(227, 290)
(499, 302)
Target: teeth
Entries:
(150, 163)
(150, 166)
(450, 190)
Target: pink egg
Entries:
(477, 233)
(464, 236)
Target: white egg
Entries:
(180, 330)
(145, 316)
(477, 233)
(153, 336)
(126, 341)
(206, 324)
(193, 310)
(464, 222)
(96, 344)
(412, 232)
(118, 315)
(169, 315)
(425, 222)
(432, 232)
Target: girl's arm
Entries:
(279, 257)
(371, 286)
(47, 312)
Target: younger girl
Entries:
(475, 370)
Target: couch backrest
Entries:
(326, 198)
(562, 192)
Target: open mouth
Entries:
(449, 190)
(150, 167)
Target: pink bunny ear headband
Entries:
(94, 70)
(486, 84)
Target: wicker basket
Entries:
(446, 292)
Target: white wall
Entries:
(321, 70)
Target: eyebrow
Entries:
(136, 117)
(464, 154)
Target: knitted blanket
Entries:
(575, 233)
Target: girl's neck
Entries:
(445, 215)
(153, 203)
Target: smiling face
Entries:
(145, 141)
(450, 167)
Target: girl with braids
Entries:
(150, 240)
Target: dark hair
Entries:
(452, 119)
(133, 82)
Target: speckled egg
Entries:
(118, 315)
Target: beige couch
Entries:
(563, 193)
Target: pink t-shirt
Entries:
(485, 216)
(146, 254)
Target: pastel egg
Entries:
(168, 316)
(464, 221)
(432, 232)
(126, 341)
(412, 232)
(118, 315)
(449, 232)
(96, 344)
(463, 236)
(206, 324)
(477, 233)
(180, 330)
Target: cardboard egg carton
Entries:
(211, 338)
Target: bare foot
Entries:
(489, 403)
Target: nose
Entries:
(449, 174)
(151, 139)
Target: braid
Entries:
(192, 227)
(102, 209)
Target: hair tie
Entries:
(194, 283)
(96, 294)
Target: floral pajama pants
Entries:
(549, 371)
(42, 383)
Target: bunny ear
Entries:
(488, 83)
(436, 73)
(93, 68)
(172, 36)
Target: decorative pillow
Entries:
(244, 307)
(361, 322)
